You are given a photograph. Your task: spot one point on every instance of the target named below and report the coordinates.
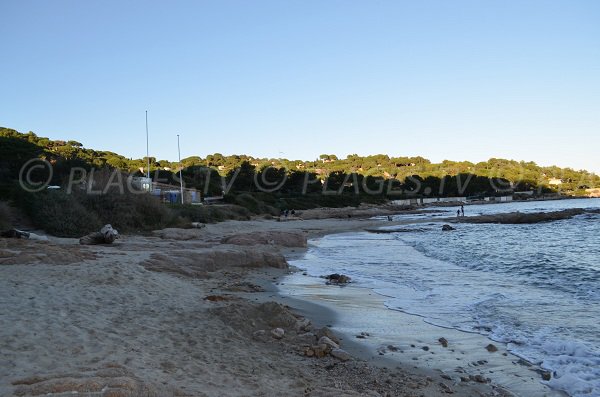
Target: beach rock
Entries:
(491, 348)
(276, 315)
(520, 217)
(326, 341)
(15, 233)
(260, 335)
(325, 331)
(340, 354)
(179, 234)
(303, 324)
(443, 342)
(284, 239)
(479, 378)
(546, 375)
(110, 382)
(199, 262)
(336, 278)
(26, 252)
(445, 388)
(306, 339)
(277, 333)
(321, 350)
(447, 228)
(215, 298)
(106, 235)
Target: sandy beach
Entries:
(197, 312)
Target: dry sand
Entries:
(133, 319)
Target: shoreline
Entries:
(152, 314)
(527, 376)
(413, 343)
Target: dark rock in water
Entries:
(447, 228)
(491, 348)
(443, 342)
(546, 375)
(400, 230)
(479, 378)
(520, 217)
(336, 278)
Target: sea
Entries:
(533, 287)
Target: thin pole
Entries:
(147, 147)
(180, 168)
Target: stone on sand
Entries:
(327, 341)
(277, 333)
(325, 331)
(340, 354)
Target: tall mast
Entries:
(180, 168)
(147, 147)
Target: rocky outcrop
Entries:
(283, 239)
(110, 380)
(520, 217)
(106, 235)
(201, 261)
(25, 252)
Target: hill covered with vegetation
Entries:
(400, 176)
(250, 185)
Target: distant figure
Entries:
(458, 212)
(462, 209)
(292, 212)
(287, 212)
(389, 218)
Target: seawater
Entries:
(534, 287)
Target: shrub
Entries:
(211, 213)
(59, 214)
(254, 204)
(129, 212)
(5, 218)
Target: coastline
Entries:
(399, 338)
(89, 319)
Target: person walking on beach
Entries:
(458, 212)
(462, 209)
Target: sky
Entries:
(457, 80)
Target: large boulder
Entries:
(201, 261)
(106, 235)
(284, 239)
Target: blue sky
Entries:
(459, 80)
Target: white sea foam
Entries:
(528, 286)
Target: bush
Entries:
(59, 214)
(129, 212)
(211, 213)
(5, 218)
(77, 214)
